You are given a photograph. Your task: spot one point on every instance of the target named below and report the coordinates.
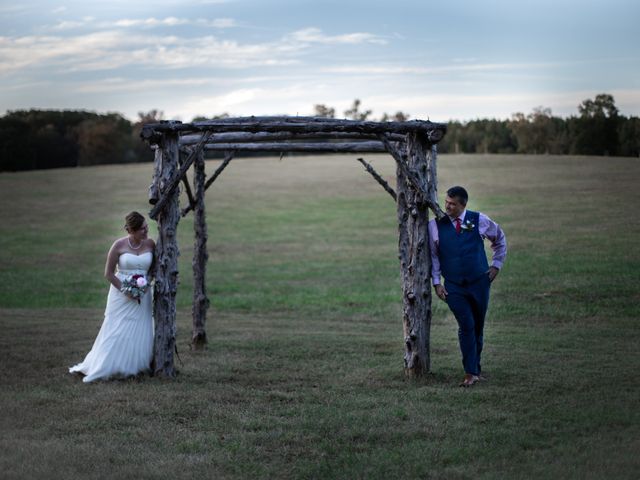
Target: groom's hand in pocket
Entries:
(441, 292)
(493, 273)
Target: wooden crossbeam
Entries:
(434, 132)
(249, 137)
(337, 147)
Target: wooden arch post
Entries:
(415, 259)
(200, 257)
(167, 214)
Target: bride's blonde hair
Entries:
(133, 222)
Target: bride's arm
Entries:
(110, 266)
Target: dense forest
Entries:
(38, 139)
(598, 130)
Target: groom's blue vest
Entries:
(462, 257)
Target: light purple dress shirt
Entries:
(487, 229)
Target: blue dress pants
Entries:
(469, 303)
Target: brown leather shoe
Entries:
(469, 380)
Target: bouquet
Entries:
(135, 286)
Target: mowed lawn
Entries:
(303, 377)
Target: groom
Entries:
(457, 253)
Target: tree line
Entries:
(38, 139)
(598, 129)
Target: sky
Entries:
(445, 60)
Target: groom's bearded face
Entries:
(453, 206)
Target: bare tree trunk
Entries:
(154, 193)
(200, 257)
(166, 263)
(415, 260)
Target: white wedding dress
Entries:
(124, 345)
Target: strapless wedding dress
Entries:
(124, 345)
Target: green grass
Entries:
(303, 375)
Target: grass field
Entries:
(303, 375)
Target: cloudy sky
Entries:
(452, 59)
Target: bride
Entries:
(124, 345)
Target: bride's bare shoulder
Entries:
(119, 245)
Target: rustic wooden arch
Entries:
(179, 145)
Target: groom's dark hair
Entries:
(459, 193)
